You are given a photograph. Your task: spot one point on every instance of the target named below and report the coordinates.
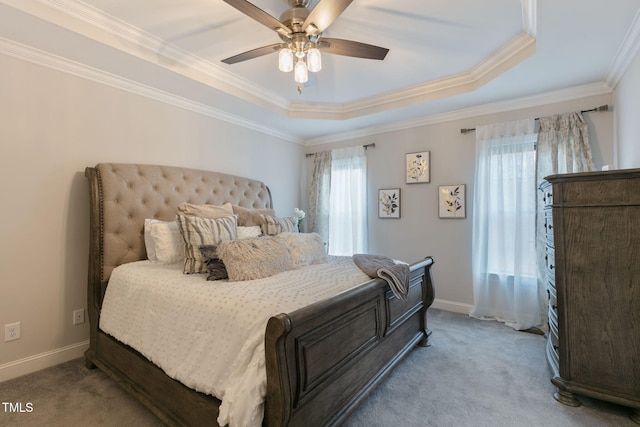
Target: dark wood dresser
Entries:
(592, 223)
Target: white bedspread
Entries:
(210, 335)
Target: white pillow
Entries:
(163, 241)
(148, 241)
(249, 232)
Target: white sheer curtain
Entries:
(505, 285)
(348, 202)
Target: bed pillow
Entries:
(197, 231)
(163, 241)
(148, 241)
(304, 248)
(215, 266)
(272, 225)
(248, 217)
(205, 211)
(249, 232)
(254, 258)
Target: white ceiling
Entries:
(445, 57)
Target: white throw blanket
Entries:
(210, 335)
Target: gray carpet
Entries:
(474, 374)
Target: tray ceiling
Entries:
(444, 56)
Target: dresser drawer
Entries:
(548, 226)
(547, 194)
(550, 258)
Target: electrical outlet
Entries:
(11, 331)
(78, 316)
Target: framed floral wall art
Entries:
(418, 167)
(389, 203)
(451, 201)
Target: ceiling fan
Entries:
(301, 32)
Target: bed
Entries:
(321, 360)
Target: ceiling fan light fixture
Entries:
(301, 31)
(301, 74)
(314, 60)
(285, 60)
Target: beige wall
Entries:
(627, 108)
(419, 232)
(53, 125)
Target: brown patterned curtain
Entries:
(562, 147)
(318, 215)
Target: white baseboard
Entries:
(456, 307)
(41, 361)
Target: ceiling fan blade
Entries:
(323, 15)
(255, 53)
(351, 48)
(259, 15)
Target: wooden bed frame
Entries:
(321, 360)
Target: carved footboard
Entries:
(323, 359)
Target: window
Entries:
(505, 284)
(348, 202)
(512, 208)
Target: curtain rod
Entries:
(600, 108)
(365, 146)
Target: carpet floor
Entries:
(475, 373)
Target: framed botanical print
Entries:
(451, 201)
(389, 203)
(418, 167)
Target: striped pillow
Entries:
(272, 225)
(197, 231)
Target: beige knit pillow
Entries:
(257, 258)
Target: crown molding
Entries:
(83, 19)
(30, 54)
(510, 54)
(628, 50)
(576, 92)
(78, 17)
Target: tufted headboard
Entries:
(123, 195)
